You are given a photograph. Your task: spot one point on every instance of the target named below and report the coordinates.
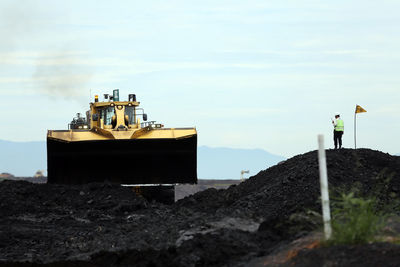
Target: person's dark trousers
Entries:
(337, 138)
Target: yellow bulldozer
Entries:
(112, 145)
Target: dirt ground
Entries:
(185, 190)
(245, 224)
(181, 190)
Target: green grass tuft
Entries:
(355, 220)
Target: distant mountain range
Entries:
(25, 158)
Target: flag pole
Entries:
(355, 129)
(359, 109)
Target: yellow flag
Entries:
(359, 109)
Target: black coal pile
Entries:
(375, 254)
(294, 184)
(108, 225)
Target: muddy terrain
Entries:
(245, 224)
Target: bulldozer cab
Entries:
(115, 115)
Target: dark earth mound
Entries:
(108, 225)
(376, 254)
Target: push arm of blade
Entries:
(103, 132)
(140, 132)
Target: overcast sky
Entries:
(247, 74)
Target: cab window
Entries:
(130, 111)
(106, 115)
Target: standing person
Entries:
(338, 131)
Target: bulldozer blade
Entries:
(132, 161)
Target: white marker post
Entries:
(323, 179)
(241, 174)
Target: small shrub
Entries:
(355, 220)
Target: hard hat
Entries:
(337, 114)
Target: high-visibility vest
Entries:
(339, 125)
